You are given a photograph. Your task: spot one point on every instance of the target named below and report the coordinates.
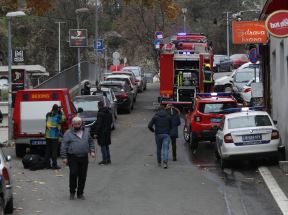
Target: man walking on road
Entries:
(54, 120)
(101, 130)
(161, 124)
(175, 119)
(76, 145)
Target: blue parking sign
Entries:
(99, 46)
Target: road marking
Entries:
(279, 196)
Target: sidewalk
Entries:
(281, 178)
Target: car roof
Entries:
(118, 76)
(113, 83)
(90, 97)
(215, 99)
(131, 67)
(246, 113)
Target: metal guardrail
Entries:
(69, 77)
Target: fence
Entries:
(69, 77)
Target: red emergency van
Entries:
(29, 116)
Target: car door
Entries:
(220, 135)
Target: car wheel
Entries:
(227, 89)
(216, 152)
(193, 141)
(223, 163)
(20, 150)
(186, 134)
(9, 206)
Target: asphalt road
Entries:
(135, 185)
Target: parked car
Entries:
(87, 108)
(243, 77)
(133, 78)
(248, 134)
(128, 80)
(6, 178)
(238, 59)
(149, 77)
(109, 93)
(203, 119)
(106, 74)
(123, 94)
(222, 63)
(142, 84)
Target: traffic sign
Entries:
(116, 62)
(157, 43)
(158, 35)
(100, 46)
(116, 55)
(253, 55)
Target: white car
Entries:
(142, 84)
(247, 134)
(127, 79)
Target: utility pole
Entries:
(184, 11)
(59, 45)
(228, 33)
(98, 76)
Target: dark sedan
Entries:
(123, 94)
(87, 108)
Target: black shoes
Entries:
(81, 197)
(72, 196)
(174, 159)
(165, 165)
(105, 162)
(56, 167)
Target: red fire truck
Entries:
(185, 68)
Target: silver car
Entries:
(7, 182)
(142, 84)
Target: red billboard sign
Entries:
(249, 32)
(277, 23)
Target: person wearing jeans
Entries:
(161, 125)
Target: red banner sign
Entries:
(249, 32)
(277, 23)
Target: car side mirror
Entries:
(8, 158)
(275, 122)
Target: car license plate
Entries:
(38, 142)
(216, 120)
(252, 137)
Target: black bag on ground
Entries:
(33, 162)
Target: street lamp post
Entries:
(10, 15)
(78, 11)
(184, 11)
(59, 45)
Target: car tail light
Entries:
(124, 96)
(6, 176)
(247, 90)
(275, 135)
(197, 118)
(136, 80)
(228, 138)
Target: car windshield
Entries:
(239, 56)
(135, 71)
(216, 107)
(86, 105)
(244, 77)
(249, 121)
(115, 89)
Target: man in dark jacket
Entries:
(175, 118)
(161, 124)
(76, 145)
(101, 130)
(86, 89)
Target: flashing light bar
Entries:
(185, 52)
(243, 109)
(214, 94)
(182, 34)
